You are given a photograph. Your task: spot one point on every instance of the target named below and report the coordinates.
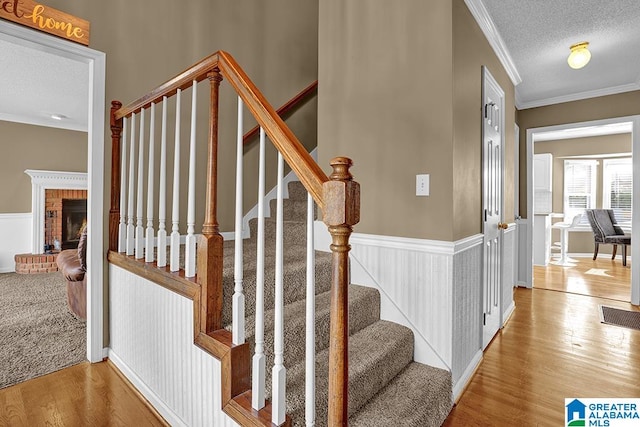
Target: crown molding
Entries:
(577, 96)
(481, 15)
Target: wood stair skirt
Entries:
(386, 387)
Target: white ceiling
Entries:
(531, 38)
(536, 36)
(36, 84)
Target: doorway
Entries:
(634, 122)
(95, 106)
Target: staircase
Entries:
(386, 387)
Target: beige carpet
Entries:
(38, 334)
(386, 387)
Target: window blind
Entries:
(579, 186)
(618, 187)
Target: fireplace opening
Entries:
(74, 217)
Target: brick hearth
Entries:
(30, 264)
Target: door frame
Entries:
(96, 61)
(635, 222)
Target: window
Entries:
(618, 187)
(579, 187)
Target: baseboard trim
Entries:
(508, 313)
(154, 400)
(462, 383)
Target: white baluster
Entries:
(149, 257)
(139, 252)
(279, 372)
(175, 213)
(238, 295)
(258, 377)
(162, 196)
(190, 244)
(132, 165)
(122, 226)
(310, 370)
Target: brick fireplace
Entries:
(60, 225)
(49, 191)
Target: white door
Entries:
(492, 201)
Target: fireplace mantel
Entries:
(45, 180)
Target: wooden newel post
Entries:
(210, 256)
(114, 211)
(341, 213)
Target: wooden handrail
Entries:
(183, 80)
(286, 108)
(293, 152)
(337, 196)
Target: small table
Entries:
(564, 260)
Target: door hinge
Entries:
(485, 215)
(484, 319)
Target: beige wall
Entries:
(385, 72)
(400, 94)
(471, 52)
(35, 147)
(574, 148)
(149, 41)
(620, 105)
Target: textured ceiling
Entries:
(36, 84)
(537, 35)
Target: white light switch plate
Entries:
(422, 185)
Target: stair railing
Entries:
(201, 278)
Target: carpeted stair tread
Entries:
(420, 396)
(295, 323)
(294, 232)
(376, 355)
(386, 388)
(296, 191)
(293, 279)
(291, 209)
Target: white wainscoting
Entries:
(15, 235)
(432, 287)
(509, 270)
(525, 251)
(152, 344)
(467, 312)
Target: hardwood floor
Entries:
(82, 395)
(602, 278)
(553, 347)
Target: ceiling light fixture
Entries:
(58, 116)
(579, 56)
